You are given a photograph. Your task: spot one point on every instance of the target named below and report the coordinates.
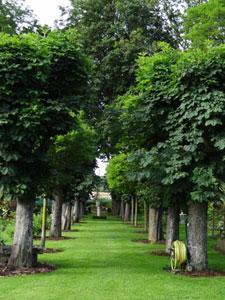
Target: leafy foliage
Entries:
(15, 17)
(37, 97)
(177, 141)
(205, 23)
(72, 160)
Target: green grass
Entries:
(103, 264)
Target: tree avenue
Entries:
(139, 82)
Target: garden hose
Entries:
(178, 254)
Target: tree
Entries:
(113, 34)
(71, 159)
(36, 101)
(178, 106)
(205, 23)
(120, 183)
(173, 12)
(15, 17)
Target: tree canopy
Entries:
(15, 17)
(37, 99)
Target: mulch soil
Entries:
(57, 239)
(138, 226)
(219, 250)
(51, 250)
(145, 241)
(159, 253)
(206, 273)
(12, 271)
(142, 241)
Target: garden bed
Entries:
(146, 241)
(206, 273)
(56, 239)
(142, 241)
(100, 218)
(12, 271)
(141, 232)
(51, 250)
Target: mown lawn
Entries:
(103, 263)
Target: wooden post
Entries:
(136, 212)
(44, 221)
(132, 211)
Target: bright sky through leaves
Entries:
(47, 11)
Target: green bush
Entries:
(37, 223)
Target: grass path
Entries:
(103, 264)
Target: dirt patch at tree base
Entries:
(52, 250)
(196, 274)
(159, 253)
(138, 226)
(72, 230)
(57, 239)
(161, 242)
(142, 241)
(141, 232)
(145, 241)
(6, 271)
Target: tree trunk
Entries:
(127, 212)
(66, 216)
(118, 206)
(44, 221)
(122, 209)
(197, 235)
(114, 204)
(98, 207)
(172, 229)
(132, 211)
(146, 216)
(213, 223)
(153, 225)
(160, 234)
(76, 213)
(136, 212)
(56, 225)
(22, 249)
(81, 210)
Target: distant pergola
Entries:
(98, 196)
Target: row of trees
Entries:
(169, 152)
(160, 131)
(45, 145)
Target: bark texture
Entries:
(197, 235)
(66, 216)
(160, 233)
(115, 204)
(127, 212)
(56, 225)
(81, 210)
(153, 225)
(122, 209)
(22, 249)
(172, 228)
(75, 213)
